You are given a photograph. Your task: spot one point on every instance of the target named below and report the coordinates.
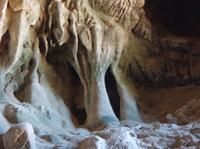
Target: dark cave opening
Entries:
(111, 87)
(181, 17)
(74, 95)
(77, 107)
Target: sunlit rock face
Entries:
(72, 70)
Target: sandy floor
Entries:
(160, 102)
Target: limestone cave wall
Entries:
(69, 68)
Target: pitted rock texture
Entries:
(55, 56)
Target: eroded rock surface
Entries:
(54, 58)
(21, 136)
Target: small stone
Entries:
(19, 137)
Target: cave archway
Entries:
(74, 94)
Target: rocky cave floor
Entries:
(172, 122)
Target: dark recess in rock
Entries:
(182, 17)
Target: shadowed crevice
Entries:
(111, 87)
